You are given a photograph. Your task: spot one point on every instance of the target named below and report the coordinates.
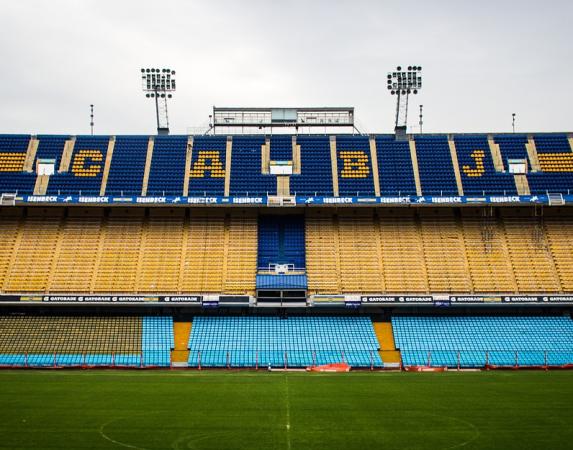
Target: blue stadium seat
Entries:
(293, 342)
(167, 171)
(475, 341)
(86, 168)
(157, 341)
(127, 165)
(354, 166)
(281, 241)
(477, 171)
(396, 172)
(435, 165)
(316, 169)
(208, 161)
(246, 174)
(281, 147)
(13, 180)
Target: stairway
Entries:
(495, 154)
(41, 186)
(181, 333)
(522, 185)
(390, 356)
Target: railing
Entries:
(460, 359)
(282, 359)
(144, 359)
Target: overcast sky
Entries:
(481, 59)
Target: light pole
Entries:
(513, 121)
(92, 119)
(421, 118)
(159, 85)
(402, 83)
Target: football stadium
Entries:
(283, 279)
(286, 252)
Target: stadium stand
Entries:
(157, 340)
(353, 251)
(167, 172)
(161, 250)
(12, 156)
(246, 175)
(402, 252)
(477, 169)
(477, 341)
(444, 251)
(556, 163)
(76, 252)
(512, 146)
(84, 169)
(435, 165)
(127, 165)
(358, 237)
(46, 341)
(126, 251)
(316, 170)
(278, 342)
(160, 165)
(487, 252)
(354, 166)
(281, 241)
(529, 253)
(207, 172)
(339, 254)
(395, 166)
(281, 147)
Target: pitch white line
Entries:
(107, 438)
(287, 398)
(476, 435)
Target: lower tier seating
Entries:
(278, 342)
(47, 341)
(483, 340)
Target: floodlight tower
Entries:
(159, 84)
(402, 83)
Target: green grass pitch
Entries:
(97, 409)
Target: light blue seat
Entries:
(294, 342)
(477, 341)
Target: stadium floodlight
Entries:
(159, 84)
(402, 83)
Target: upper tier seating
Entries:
(208, 165)
(511, 146)
(86, 168)
(127, 165)
(395, 167)
(207, 171)
(12, 155)
(354, 166)
(167, 172)
(435, 165)
(316, 169)
(293, 342)
(476, 167)
(281, 147)
(246, 176)
(483, 340)
(556, 162)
